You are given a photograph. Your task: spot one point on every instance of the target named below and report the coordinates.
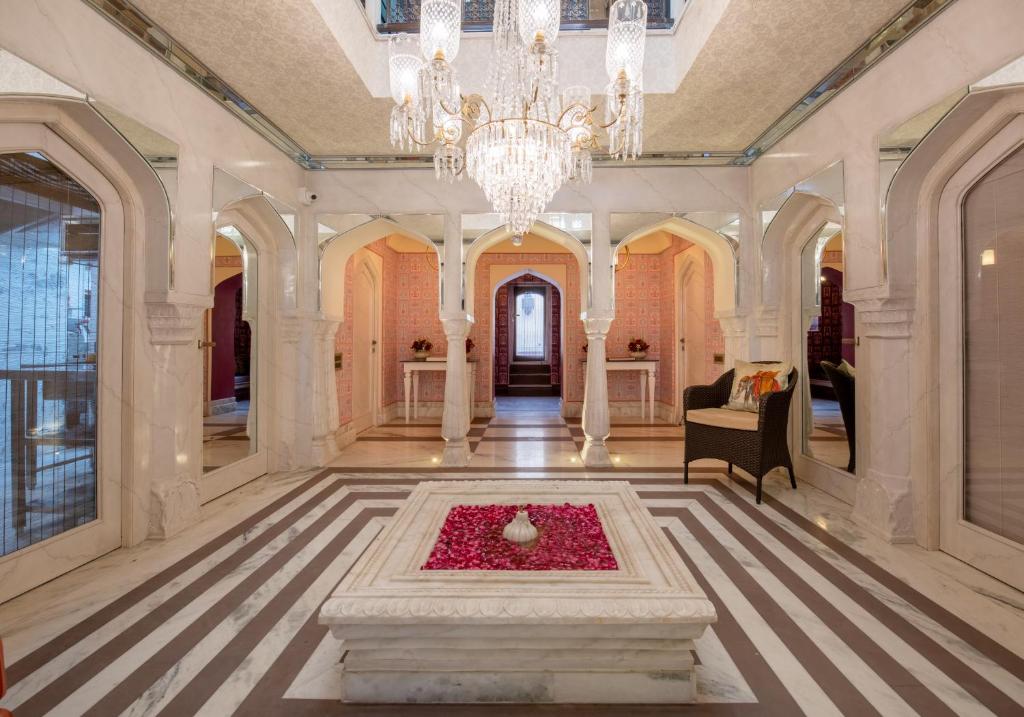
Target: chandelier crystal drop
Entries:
(523, 138)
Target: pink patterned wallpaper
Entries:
(645, 304)
(645, 307)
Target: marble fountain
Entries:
(604, 613)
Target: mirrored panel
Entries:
(227, 189)
(230, 355)
(895, 145)
(828, 342)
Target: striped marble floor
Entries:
(807, 624)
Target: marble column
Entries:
(170, 389)
(884, 498)
(457, 419)
(596, 415)
(325, 391)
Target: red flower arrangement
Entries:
(422, 345)
(638, 346)
(570, 537)
(469, 344)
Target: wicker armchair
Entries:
(755, 450)
(845, 387)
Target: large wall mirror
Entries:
(829, 351)
(251, 230)
(810, 258)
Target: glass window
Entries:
(49, 321)
(530, 324)
(993, 295)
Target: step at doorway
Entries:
(530, 379)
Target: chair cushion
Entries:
(753, 380)
(724, 418)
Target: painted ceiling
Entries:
(758, 60)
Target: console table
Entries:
(411, 378)
(648, 368)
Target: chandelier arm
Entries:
(412, 137)
(622, 111)
(587, 111)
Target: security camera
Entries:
(306, 197)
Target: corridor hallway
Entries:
(526, 432)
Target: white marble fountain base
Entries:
(447, 636)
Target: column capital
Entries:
(766, 320)
(325, 326)
(597, 327)
(457, 328)
(174, 317)
(887, 318)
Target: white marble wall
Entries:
(967, 42)
(79, 48)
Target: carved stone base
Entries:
(595, 455)
(174, 506)
(529, 636)
(884, 505)
(457, 454)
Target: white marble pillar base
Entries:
(884, 505)
(595, 454)
(457, 453)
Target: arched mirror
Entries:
(229, 385)
(829, 348)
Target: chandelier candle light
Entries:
(525, 138)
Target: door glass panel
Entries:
(993, 263)
(229, 416)
(49, 304)
(530, 324)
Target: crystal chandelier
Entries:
(524, 138)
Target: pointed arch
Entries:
(336, 251)
(802, 214)
(541, 229)
(719, 248)
(261, 224)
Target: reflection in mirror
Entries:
(229, 386)
(160, 152)
(227, 188)
(896, 145)
(829, 343)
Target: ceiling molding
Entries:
(124, 15)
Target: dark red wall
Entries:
(222, 374)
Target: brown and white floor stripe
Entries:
(807, 625)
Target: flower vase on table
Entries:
(421, 349)
(638, 349)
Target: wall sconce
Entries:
(337, 362)
(988, 257)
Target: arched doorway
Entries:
(546, 269)
(379, 292)
(528, 331)
(366, 316)
(673, 278)
(64, 223)
(981, 331)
